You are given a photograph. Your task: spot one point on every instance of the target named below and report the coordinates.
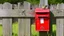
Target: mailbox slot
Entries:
(42, 15)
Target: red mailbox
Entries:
(42, 19)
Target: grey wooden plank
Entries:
(1, 6)
(26, 5)
(60, 27)
(58, 13)
(19, 5)
(24, 27)
(7, 26)
(27, 27)
(21, 26)
(7, 5)
(15, 13)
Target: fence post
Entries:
(43, 3)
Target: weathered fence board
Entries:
(24, 15)
(21, 27)
(27, 20)
(60, 27)
(59, 14)
(27, 26)
(7, 22)
(24, 23)
(26, 5)
(15, 13)
(7, 26)
(24, 26)
(1, 6)
(7, 5)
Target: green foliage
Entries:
(33, 1)
(49, 1)
(14, 29)
(1, 30)
(54, 1)
(33, 31)
(11, 1)
(15, 1)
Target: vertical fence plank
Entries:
(7, 26)
(27, 20)
(21, 26)
(60, 23)
(24, 27)
(1, 6)
(7, 5)
(26, 5)
(27, 27)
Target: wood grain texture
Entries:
(7, 26)
(24, 27)
(60, 27)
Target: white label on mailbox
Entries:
(41, 20)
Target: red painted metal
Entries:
(42, 19)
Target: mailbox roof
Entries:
(41, 10)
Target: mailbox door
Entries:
(42, 24)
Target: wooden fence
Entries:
(56, 6)
(58, 11)
(24, 16)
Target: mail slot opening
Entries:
(42, 12)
